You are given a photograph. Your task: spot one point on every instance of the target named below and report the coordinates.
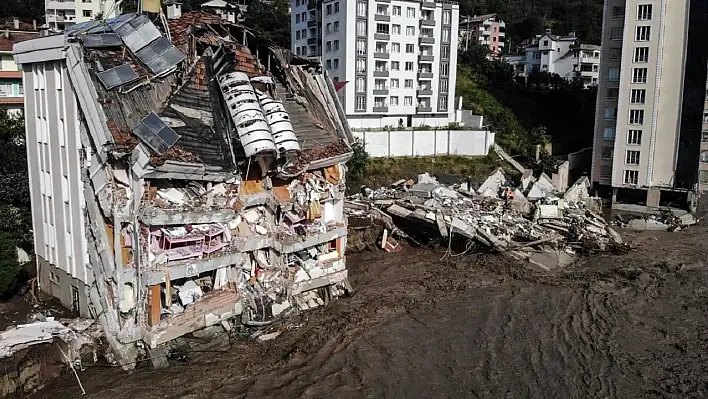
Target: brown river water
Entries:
(476, 326)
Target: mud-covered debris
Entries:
(550, 230)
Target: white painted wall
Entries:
(406, 143)
(346, 57)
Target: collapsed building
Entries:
(184, 173)
(530, 221)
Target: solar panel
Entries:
(101, 28)
(78, 28)
(143, 38)
(113, 22)
(101, 40)
(156, 134)
(117, 76)
(166, 60)
(137, 32)
(153, 50)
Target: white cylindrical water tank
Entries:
(280, 125)
(244, 108)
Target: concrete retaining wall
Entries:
(406, 143)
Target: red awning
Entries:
(338, 85)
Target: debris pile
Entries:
(667, 220)
(529, 222)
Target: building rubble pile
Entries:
(547, 231)
(667, 220)
(73, 333)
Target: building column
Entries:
(653, 197)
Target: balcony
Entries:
(381, 91)
(425, 74)
(61, 5)
(426, 91)
(312, 40)
(311, 24)
(502, 34)
(382, 55)
(381, 73)
(426, 57)
(380, 109)
(312, 4)
(428, 4)
(427, 40)
(427, 22)
(485, 33)
(424, 108)
(382, 36)
(382, 17)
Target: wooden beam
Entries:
(155, 305)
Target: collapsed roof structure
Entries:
(201, 170)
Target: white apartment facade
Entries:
(61, 14)
(397, 57)
(562, 55)
(651, 101)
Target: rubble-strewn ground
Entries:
(623, 326)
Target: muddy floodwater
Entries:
(476, 326)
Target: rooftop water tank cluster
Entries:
(280, 125)
(262, 124)
(245, 110)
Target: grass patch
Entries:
(382, 172)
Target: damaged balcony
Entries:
(185, 305)
(167, 203)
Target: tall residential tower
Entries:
(651, 105)
(397, 57)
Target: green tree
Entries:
(10, 269)
(271, 20)
(15, 213)
(357, 164)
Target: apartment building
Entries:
(61, 14)
(12, 97)
(185, 182)
(562, 55)
(398, 58)
(487, 30)
(230, 11)
(649, 146)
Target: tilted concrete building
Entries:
(651, 123)
(182, 176)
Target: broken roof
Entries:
(119, 55)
